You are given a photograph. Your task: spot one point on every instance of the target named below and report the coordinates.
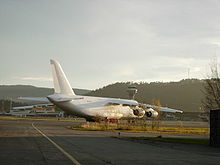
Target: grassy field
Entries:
(144, 128)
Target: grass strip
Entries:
(147, 129)
(174, 140)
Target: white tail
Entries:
(61, 84)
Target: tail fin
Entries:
(61, 84)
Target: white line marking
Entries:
(57, 146)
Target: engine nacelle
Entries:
(138, 112)
(151, 113)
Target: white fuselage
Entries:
(96, 107)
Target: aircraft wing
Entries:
(123, 102)
(135, 103)
(23, 107)
(32, 106)
(163, 109)
(38, 99)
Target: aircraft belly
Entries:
(71, 108)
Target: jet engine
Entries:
(151, 113)
(138, 112)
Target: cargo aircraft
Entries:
(93, 108)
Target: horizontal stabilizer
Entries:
(63, 99)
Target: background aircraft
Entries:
(94, 108)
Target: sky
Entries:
(100, 42)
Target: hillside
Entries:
(185, 94)
(14, 91)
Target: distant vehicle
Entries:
(93, 108)
(204, 117)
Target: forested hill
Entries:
(185, 94)
(14, 91)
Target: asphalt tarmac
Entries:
(50, 142)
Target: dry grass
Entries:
(129, 128)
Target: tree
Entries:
(6, 105)
(212, 89)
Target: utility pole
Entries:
(10, 106)
(3, 106)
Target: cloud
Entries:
(216, 43)
(35, 78)
(100, 42)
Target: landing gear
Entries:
(111, 120)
